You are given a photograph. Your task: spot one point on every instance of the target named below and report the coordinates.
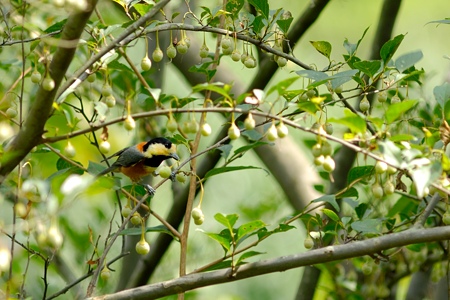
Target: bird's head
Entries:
(161, 147)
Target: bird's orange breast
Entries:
(137, 171)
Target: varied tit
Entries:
(142, 159)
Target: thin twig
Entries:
(420, 222)
(87, 275)
(97, 271)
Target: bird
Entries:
(142, 159)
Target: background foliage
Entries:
(343, 181)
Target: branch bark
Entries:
(322, 255)
(31, 132)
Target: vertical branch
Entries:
(193, 179)
(16, 198)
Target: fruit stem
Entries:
(143, 230)
(157, 40)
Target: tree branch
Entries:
(31, 132)
(322, 255)
(119, 41)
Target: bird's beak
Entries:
(174, 156)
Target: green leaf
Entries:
(101, 108)
(331, 199)
(308, 106)
(262, 6)
(352, 48)
(424, 176)
(95, 168)
(56, 26)
(246, 255)
(178, 139)
(391, 153)
(368, 67)
(402, 137)
(284, 24)
(42, 149)
(203, 68)
(219, 265)
(346, 220)
(142, 9)
(248, 228)
(291, 94)
(225, 150)
(342, 77)
(442, 94)
(349, 193)
(367, 226)
(354, 122)
(252, 135)
(114, 64)
(221, 170)
(156, 93)
(322, 78)
(206, 11)
(408, 60)
(397, 110)
(249, 147)
(404, 204)
(311, 74)
(389, 223)
(416, 247)
(62, 164)
(281, 86)
(323, 47)
(227, 220)
(109, 29)
(223, 240)
(361, 209)
(331, 214)
(234, 7)
(445, 163)
(390, 47)
(137, 189)
(356, 173)
(218, 87)
(101, 184)
(258, 24)
(376, 121)
(263, 232)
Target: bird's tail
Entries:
(106, 171)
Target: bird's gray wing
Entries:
(128, 157)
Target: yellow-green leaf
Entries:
(323, 47)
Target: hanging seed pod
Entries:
(171, 52)
(364, 105)
(146, 63)
(234, 132)
(249, 122)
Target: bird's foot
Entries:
(172, 176)
(149, 189)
